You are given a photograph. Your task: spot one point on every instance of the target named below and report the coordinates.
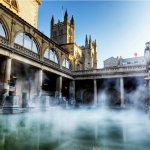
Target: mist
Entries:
(76, 129)
(57, 124)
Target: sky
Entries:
(121, 28)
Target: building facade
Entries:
(33, 64)
(85, 57)
(26, 9)
(119, 62)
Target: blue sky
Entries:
(121, 28)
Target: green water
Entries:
(75, 130)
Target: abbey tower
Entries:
(62, 33)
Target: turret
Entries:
(86, 41)
(95, 56)
(52, 22)
(63, 32)
(147, 53)
(72, 21)
(90, 42)
(66, 17)
(95, 45)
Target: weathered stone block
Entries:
(11, 105)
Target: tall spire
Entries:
(72, 20)
(52, 21)
(86, 40)
(66, 17)
(90, 40)
(95, 43)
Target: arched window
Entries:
(26, 41)
(51, 55)
(66, 63)
(2, 30)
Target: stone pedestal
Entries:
(11, 105)
(44, 103)
(25, 104)
(24, 100)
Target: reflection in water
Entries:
(75, 130)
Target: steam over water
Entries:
(59, 129)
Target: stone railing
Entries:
(32, 55)
(127, 69)
(3, 41)
(66, 69)
(51, 63)
(25, 51)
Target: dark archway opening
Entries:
(108, 92)
(65, 87)
(136, 93)
(85, 92)
(49, 83)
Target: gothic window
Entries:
(66, 63)
(51, 55)
(12, 3)
(26, 41)
(2, 30)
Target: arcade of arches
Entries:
(32, 63)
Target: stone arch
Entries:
(55, 53)
(5, 27)
(35, 46)
(88, 97)
(113, 96)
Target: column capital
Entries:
(9, 57)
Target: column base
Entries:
(44, 103)
(11, 110)
(58, 94)
(123, 106)
(11, 105)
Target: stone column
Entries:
(40, 81)
(7, 74)
(72, 90)
(95, 92)
(122, 91)
(58, 92)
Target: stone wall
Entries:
(26, 9)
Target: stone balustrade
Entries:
(25, 51)
(118, 70)
(3, 41)
(32, 55)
